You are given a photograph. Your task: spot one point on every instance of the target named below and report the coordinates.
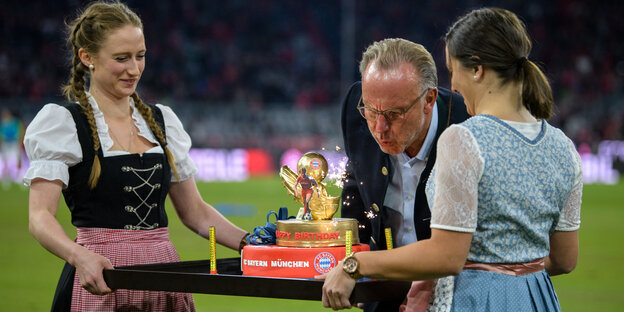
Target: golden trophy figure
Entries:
(315, 227)
(308, 186)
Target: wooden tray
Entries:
(195, 277)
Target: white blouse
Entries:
(52, 145)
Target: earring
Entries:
(91, 67)
(475, 77)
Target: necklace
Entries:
(131, 136)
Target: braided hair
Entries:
(88, 31)
(146, 112)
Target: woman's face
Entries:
(119, 63)
(462, 81)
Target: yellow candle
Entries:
(213, 251)
(388, 238)
(348, 242)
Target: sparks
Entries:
(337, 172)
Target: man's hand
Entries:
(418, 297)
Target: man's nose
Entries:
(382, 125)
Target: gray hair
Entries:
(390, 53)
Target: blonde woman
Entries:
(115, 159)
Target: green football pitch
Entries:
(28, 273)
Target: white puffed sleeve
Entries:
(179, 142)
(52, 145)
(570, 218)
(458, 169)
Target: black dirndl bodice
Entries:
(130, 194)
(131, 191)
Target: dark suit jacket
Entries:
(365, 183)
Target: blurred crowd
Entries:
(269, 73)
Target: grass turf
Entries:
(29, 273)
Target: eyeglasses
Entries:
(393, 115)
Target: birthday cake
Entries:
(292, 262)
(304, 249)
(312, 243)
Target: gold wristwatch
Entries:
(351, 266)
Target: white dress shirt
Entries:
(400, 195)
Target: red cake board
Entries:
(292, 262)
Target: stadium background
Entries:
(254, 81)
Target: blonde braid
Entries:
(89, 31)
(75, 90)
(146, 112)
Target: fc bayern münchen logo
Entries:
(324, 262)
(315, 163)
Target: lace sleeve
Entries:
(458, 169)
(570, 219)
(179, 142)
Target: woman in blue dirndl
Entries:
(505, 192)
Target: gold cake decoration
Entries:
(315, 225)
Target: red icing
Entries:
(291, 262)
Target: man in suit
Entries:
(391, 122)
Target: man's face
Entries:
(397, 88)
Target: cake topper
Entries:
(312, 169)
(308, 186)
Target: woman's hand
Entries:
(89, 267)
(43, 203)
(337, 288)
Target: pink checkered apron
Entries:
(122, 248)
